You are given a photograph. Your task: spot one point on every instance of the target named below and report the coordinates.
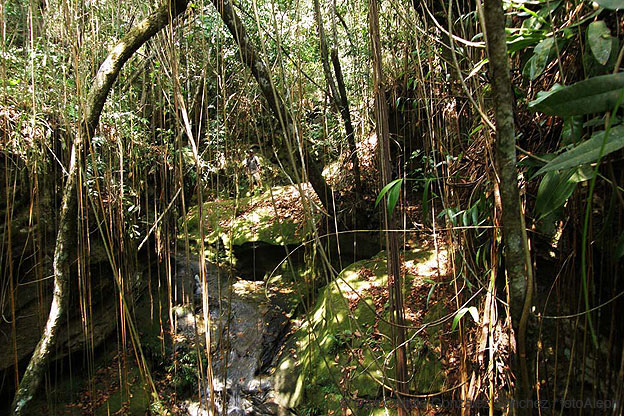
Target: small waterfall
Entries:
(245, 330)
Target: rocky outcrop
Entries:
(84, 328)
(247, 325)
(342, 348)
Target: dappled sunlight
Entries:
(276, 217)
(429, 264)
(349, 333)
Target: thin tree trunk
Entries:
(517, 256)
(346, 117)
(261, 73)
(66, 239)
(395, 282)
(338, 94)
(329, 79)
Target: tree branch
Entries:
(66, 238)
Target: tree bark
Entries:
(261, 73)
(338, 94)
(516, 252)
(395, 282)
(329, 79)
(346, 117)
(66, 239)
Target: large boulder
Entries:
(256, 233)
(83, 328)
(277, 216)
(342, 349)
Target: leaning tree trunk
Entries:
(329, 79)
(395, 281)
(517, 257)
(346, 117)
(261, 73)
(338, 94)
(66, 239)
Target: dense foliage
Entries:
(162, 178)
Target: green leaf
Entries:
(611, 4)
(451, 214)
(554, 190)
(425, 197)
(475, 214)
(393, 196)
(517, 43)
(588, 151)
(593, 95)
(536, 65)
(572, 130)
(429, 295)
(582, 174)
(393, 189)
(384, 190)
(599, 39)
(460, 314)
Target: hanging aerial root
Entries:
(66, 238)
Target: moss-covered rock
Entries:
(343, 349)
(276, 216)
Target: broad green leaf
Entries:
(393, 196)
(466, 218)
(385, 189)
(611, 4)
(572, 130)
(593, 95)
(554, 190)
(594, 68)
(536, 65)
(599, 39)
(475, 214)
(460, 314)
(393, 189)
(588, 151)
(517, 42)
(582, 174)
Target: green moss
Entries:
(136, 399)
(214, 212)
(250, 219)
(342, 349)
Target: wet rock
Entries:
(246, 328)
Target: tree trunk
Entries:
(338, 94)
(517, 256)
(346, 117)
(66, 239)
(261, 73)
(395, 283)
(329, 79)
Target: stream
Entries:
(247, 324)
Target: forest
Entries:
(311, 207)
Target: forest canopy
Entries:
(311, 207)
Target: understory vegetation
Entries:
(438, 227)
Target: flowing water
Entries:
(247, 324)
